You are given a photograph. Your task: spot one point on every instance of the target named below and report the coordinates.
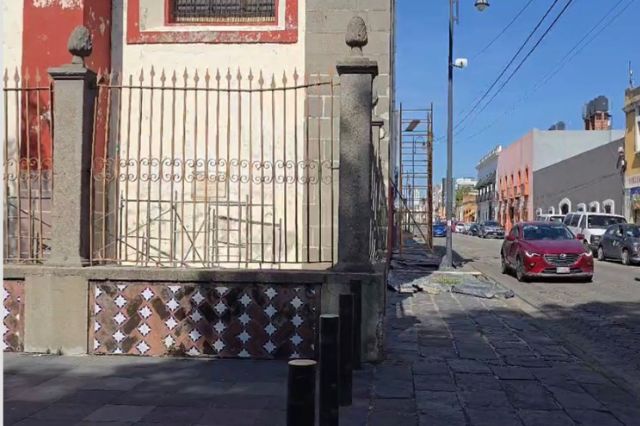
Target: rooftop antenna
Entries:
(630, 76)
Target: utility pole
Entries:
(481, 5)
(430, 177)
(448, 262)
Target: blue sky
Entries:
(599, 69)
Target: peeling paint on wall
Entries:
(64, 4)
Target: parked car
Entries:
(467, 227)
(550, 218)
(474, 229)
(440, 229)
(459, 227)
(544, 249)
(591, 226)
(491, 229)
(620, 242)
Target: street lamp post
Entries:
(481, 5)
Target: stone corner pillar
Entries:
(73, 102)
(355, 210)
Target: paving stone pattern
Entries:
(459, 360)
(450, 360)
(117, 390)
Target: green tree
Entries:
(461, 192)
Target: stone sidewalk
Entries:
(459, 360)
(111, 390)
(451, 360)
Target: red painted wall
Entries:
(44, 45)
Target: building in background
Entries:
(539, 150)
(464, 190)
(631, 164)
(466, 211)
(465, 182)
(596, 114)
(513, 181)
(587, 181)
(438, 203)
(486, 199)
(534, 152)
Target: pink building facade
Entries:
(514, 182)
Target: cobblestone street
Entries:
(459, 360)
(599, 320)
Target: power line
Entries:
(576, 51)
(504, 30)
(573, 52)
(506, 67)
(535, 46)
(511, 61)
(528, 54)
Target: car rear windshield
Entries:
(602, 222)
(556, 219)
(546, 232)
(491, 224)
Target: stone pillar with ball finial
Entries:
(73, 103)
(355, 211)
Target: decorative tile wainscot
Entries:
(13, 315)
(234, 320)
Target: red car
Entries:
(545, 249)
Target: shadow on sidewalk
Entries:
(455, 359)
(65, 390)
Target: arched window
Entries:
(565, 206)
(582, 207)
(552, 210)
(609, 206)
(538, 213)
(594, 207)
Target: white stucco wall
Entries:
(238, 139)
(553, 146)
(11, 61)
(11, 34)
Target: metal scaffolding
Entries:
(415, 178)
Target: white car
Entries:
(550, 218)
(459, 227)
(591, 226)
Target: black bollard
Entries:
(346, 349)
(356, 290)
(329, 363)
(301, 393)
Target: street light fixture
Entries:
(461, 63)
(481, 5)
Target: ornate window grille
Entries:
(223, 11)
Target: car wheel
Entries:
(504, 268)
(588, 279)
(520, 275)
(625, 257)
(600, 253)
